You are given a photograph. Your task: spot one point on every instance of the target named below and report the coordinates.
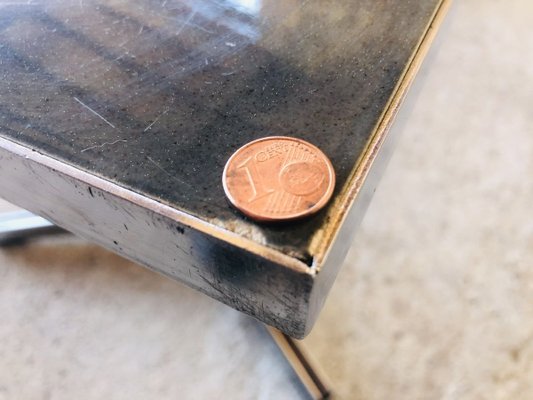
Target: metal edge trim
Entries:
(349, 194)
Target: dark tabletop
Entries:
(156, 95)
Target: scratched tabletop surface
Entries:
(156, 95)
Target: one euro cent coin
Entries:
(278, 178)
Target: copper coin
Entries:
(278, 178)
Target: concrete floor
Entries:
(436, 297)
(435, 300)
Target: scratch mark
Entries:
(24, 130)
(119, 57)
(166, 172)
(213, 285)
(104, 144)
(95, 113)
(200, 27)
(191, 15)
(227, 73)
(155, 120)
(124, 43)
(187, 22)
(18, 3)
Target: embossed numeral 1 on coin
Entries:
(258, 187)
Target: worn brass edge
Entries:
(338, 212)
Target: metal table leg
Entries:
(16, 226)
(308, 371)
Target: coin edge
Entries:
(306, 213)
